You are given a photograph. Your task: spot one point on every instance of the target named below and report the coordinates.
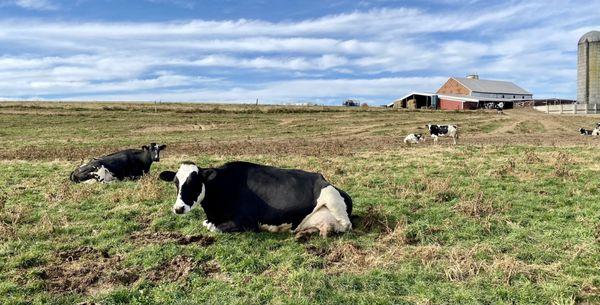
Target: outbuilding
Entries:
(462, 93)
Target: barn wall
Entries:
(450, 105)
(453, 87)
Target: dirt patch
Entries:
(180, 267)
(177, 268)
(163, 237)
(84, 270)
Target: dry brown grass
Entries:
(477, 206)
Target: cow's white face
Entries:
(190, 187)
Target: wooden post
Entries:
(547, 107)
(561, 108)
(574, 108)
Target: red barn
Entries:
(462, 93)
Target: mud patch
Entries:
(180, 267)
(86, 270)
(164, 237)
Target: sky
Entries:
(285, 51)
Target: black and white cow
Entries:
(242, 196)
(443, 131)
(414, 138)
(585, 132)
(126, 164)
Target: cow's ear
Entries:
(209, 174)
(162, 147)
(168, 176)
(145, 147)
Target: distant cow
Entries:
(126, 164)
(414, 138)
(242, 196)
(443, 131)
(585, 132)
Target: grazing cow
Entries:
(596, 131)
(443, 131)
(126, 164)
(414, 138)
(242, 196)
(586, 132)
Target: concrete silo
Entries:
(588, 70)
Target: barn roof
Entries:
(490, 86)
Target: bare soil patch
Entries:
(163, 237)
(84, 270)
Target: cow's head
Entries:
(154, 150)
(190, 181)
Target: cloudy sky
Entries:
(283, 51)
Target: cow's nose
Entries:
(179, 210)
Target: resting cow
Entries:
(443, 131)
(585, 132)
(414, 138)
(126, 164)
(242, 196)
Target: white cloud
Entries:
(43, 5)
(375, 54)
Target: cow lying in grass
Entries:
(414, 138)
(126, 164)
(586, 132)
(242, 196)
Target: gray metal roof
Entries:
(591, 36)
(491, 86)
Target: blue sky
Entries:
(283, 51)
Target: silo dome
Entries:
(591, 36)
(588, 70)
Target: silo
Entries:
(588, 69)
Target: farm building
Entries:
(459, 93)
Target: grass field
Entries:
(511, 215)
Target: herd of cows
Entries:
(237, 196)
(242, 196)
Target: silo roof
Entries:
(591, 36)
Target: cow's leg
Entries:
(435, 139)
(305, 233)
(454, 138)
(229, 226)
(210, 226)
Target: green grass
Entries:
(472, 224)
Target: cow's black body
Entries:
(126, 164)
(585, 132)
(243, 195)
(438, 130)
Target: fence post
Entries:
(561, 108)
(547, 107)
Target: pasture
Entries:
(510, 215)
